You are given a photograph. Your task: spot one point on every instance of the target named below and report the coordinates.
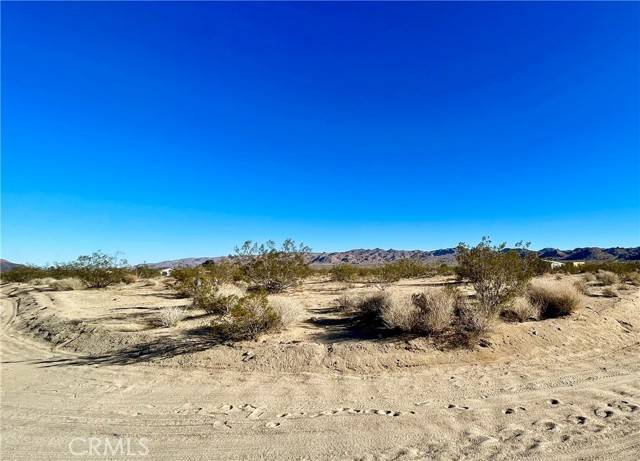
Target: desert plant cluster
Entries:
(243, 293)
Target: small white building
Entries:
(166, 272)
(554, 264)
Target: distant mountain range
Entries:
(379, 256)
(446, 255)
(6, 266)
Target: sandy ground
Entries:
(84, 371)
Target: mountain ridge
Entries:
(375, 256)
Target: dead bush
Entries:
(607, 278)
(632, 278)
(556, 299)
(346, 303)
(474, 322)
(609, 293)
(67, 284)
(397, 311)
(171, 316)
(434, 310)
(521, 310)
(289, 309)
(582, 287)
(589, 277)
(43, 281)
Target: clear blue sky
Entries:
(171, 130)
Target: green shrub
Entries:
(24, 274)
(145, 272)
(223, 271)
(498, 275)
(272, 269)
(343, 272)
(208, 296)
(187, 279)
(97, 270)
(249, 317)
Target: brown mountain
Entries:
(6, 266)
(380, 256)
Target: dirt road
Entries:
(580, 401)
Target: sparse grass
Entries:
(171, 316)
(67, 284)
(609, 292)
(607, 278)
(556, 299)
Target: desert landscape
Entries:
(79, 364)
(462, 181)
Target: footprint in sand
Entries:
(452, 406)
(603, 413)
(272, 424)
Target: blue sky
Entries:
(168, 130)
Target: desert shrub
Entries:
(609, 292)
(171, 316)
(230, 289)
(223, 271)
(498, 275)
(97, 270)
(369, 307)
(42, 281)
(589, 277)
(23, 274)
(632, 278)
(343, 272)
(435, 309)
(248, 318)
(213, 298)
(396, 311)
(522, 309)
(607, 277)
(288, 309)
(407, 268)
(185, 280)
(556, 299)
(67, 284)
(346, 303)
(474, 322)
(143, 271)
(267, 267)
(129, 277)
(427, 312)
(582, 287)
